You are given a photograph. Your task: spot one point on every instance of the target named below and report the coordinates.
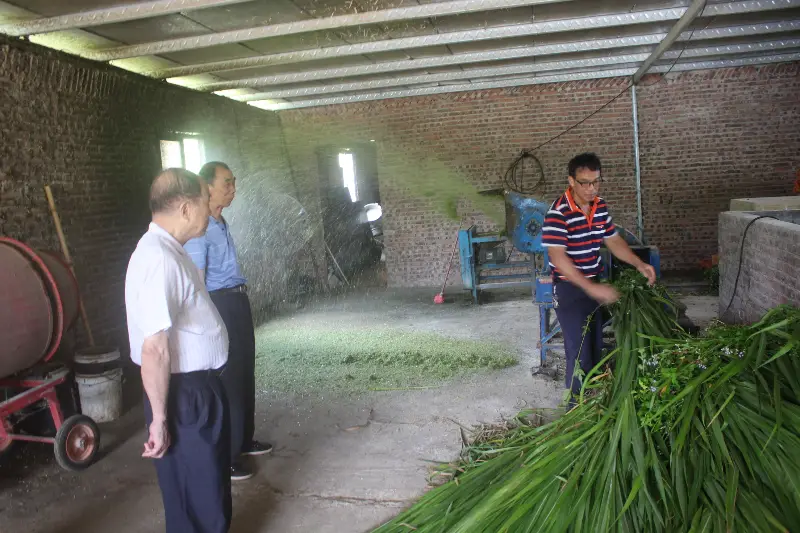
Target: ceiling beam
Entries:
(438, 9)
(384, 95)
(692, 12)
(435, 9)
(109, 15)
(456, 59)
(558, 78)
(528, 68)
(301, 56)
(419, 79)
(417, 64)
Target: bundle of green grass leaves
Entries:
(673, 433)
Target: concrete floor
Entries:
(341, 464)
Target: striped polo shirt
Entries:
(566, 226)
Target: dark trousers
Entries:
(194, 475)
(581, 320)
(239, 377)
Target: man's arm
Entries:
(156, 307)
(155, 379)
(617, 246)
(605, 294)
(555, 238)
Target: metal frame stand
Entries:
(473, 274)
(77, 438)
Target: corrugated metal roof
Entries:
(280, 54)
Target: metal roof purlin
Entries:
(110, 15)
(513, 69)
(691, 13)
(415, 42)
(383, 95)
(452, 7)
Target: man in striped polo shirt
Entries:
(576, 225)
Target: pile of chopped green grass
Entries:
(302, 359)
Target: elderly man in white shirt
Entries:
(179, 340)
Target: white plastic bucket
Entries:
(99, 378)
(101, 395)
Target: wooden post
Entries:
(68, 258)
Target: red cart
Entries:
(39, 304)
(77, 439)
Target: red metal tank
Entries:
(38, 304)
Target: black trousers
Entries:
(581, 320)
(194, 475)
(239, 377)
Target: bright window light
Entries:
(374, 212)
(188, 153)
(194, 154)
(171, 156)
(349, 174)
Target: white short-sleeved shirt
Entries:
(164, 292)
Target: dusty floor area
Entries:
(342, 462)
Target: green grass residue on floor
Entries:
(303, 359)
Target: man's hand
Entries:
(647, 271)
(604, 294)
(158, 440)
(623, 252)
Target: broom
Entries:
(439, 298)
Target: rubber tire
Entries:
(60, 445)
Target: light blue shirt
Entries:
(215, 253)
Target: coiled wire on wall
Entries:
(516, 180)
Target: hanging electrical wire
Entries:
(514, 179)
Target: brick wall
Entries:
(706, 137)
(770, 264)
(92, 132)
(438, 150)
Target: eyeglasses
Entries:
(594, 183)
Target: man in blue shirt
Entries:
(214, 254)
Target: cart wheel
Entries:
(77, 442)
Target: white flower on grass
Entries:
(653, 389)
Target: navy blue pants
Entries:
(581, 320)
(239, 377)
(194, 475)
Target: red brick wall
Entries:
(435, 148)
(92, 132)
(705, 137)
(710, 136)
